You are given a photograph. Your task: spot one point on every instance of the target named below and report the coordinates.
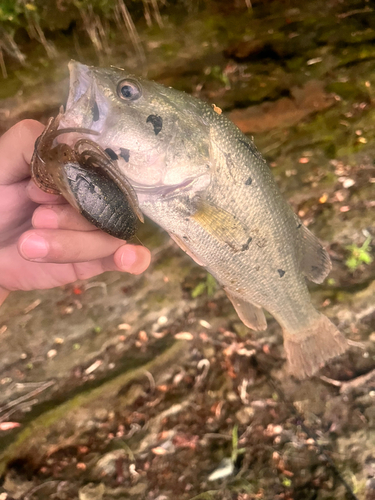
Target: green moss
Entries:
(40, 428)
(355, 53)
(347, 90)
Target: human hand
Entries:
(44, 242)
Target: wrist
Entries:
(3, 295)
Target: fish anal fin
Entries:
(222, 225)
(180, 242)
(315, 261)
(251, 315)
(311, 349)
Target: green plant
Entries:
(235, 449)
(216, 73)
(209, 286)
(358, 255)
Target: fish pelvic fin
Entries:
(315, 261)
(250, 314)
(309, 350)
(185, 248)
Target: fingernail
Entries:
(45, 218)
(34, 247)
(128, 259)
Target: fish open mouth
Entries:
(85, 107)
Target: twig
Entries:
(2, 64)
(122, 12)
(354, 12)
(27, 396)
(34, 489)
(350, 384)
(20, 407)
(357, 382)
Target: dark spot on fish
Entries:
(156, 121)
(111, 153)
(95, 112)
(185, 238)
(249, 181)
(246, 245)
(299, 225)
(314, 269)
(281, 272)
(125, 154)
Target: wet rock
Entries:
(16, 485)
(138, 489)
(91, 492)
(101, 414)
(245, 415)
(106, 465)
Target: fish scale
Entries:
(206, 184)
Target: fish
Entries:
(203, 181)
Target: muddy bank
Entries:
(149, 386)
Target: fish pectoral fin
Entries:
(250, 314)
(222, 225)
(187, 250)
(315, 261)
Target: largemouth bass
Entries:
(203, 181)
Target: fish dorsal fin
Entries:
(315, 261)
(250, 314)
(222, 225)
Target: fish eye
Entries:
(129, 90)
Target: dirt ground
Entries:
(150, 387)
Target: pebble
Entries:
(245, 415)
(91, 491)
(106, 465)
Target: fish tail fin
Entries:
(309, 350)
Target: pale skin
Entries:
(44, 242)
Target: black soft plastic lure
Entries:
(101, 201)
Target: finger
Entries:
(60, 217)
(15, 206)
(132, 259)
(128, 258)
(3, 295)
(41, 197)
(16, 273)
(16, 149)
(63, 246)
